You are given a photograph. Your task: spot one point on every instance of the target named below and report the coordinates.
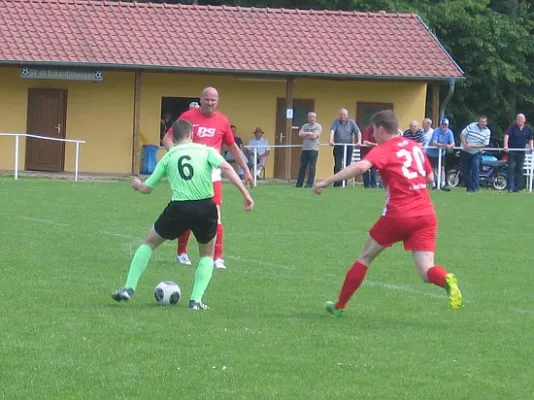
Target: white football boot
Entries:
(183, 259)
(219, 264)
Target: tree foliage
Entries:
(490, 39)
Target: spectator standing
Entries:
(443, 138)
(369, 141)
(475, 137)
(518, 136)
(428, 131)
(344, 132)
(310, 133)
(415, 133)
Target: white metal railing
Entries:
(528, 167)
(529, 162)
(27, 135)
(529, 159)
(289, 146)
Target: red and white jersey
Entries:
(213, 130)
(404, 168)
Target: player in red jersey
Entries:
(212, 128)
(408, 215)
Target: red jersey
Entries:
(367, 136)
(213, 131)
(403, 167)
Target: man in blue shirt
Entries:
(517, 136)
(443, 138)
(344, 132)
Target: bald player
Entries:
(211, 128)
(188, 168)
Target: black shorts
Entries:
(179, 216)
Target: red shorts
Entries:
(417, 233)
(217, 193)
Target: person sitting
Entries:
(262, 151)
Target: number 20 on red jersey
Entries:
(416, 155)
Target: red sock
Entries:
(182, 242)
(436, 275)
(353, 280)
(219, 242)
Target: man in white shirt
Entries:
(428, 131)
(475, 137)
(262, 150)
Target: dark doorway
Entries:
(301, 108)
(175, 106)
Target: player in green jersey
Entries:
(188, 168)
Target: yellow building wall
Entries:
(249, 104)
(100, 113)
(408, 100)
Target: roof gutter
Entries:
(226, 71)
(447, 99)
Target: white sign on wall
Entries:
(289, 113)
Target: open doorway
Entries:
(175, 106)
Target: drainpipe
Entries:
(445, 102)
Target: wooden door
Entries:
(301, 108)
(47, 115)
(364, 112)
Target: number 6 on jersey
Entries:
(185, 169)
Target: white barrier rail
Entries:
(456, 148)
(17, 147)
(290, 146)
(358, 146)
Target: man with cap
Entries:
(262, 150)
(475, 137)
(443, 138)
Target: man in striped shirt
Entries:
(475, 137)
(415, 133)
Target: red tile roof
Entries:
(221, 39)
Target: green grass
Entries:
(66, 246)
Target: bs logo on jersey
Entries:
(206, 132)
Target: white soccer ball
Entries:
(167, 293)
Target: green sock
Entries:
(137, 267)
(202, 278)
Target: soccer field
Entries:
(66, 246)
